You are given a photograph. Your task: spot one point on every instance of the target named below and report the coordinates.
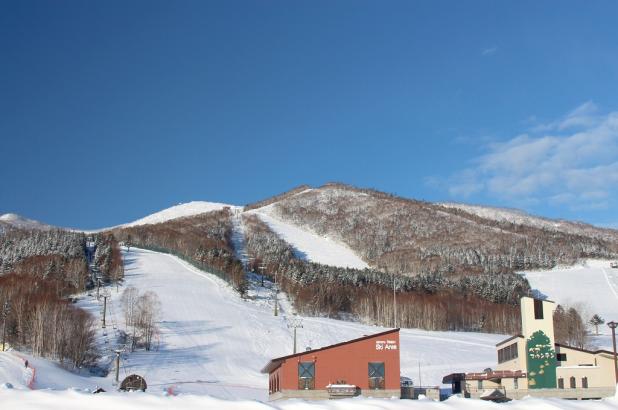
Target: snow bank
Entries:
(69, 400)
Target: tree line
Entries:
(40, 271)
(482, 302)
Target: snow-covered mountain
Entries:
(20, 222)
(178, 211)
(519, 217)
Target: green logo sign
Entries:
(541, 358)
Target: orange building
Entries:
(368, 366)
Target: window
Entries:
(516, 383)
(480, 385)
(561, 383)
(572, 382)
(538, 309)
(306, 375)
(376, 375)
(507, 353)
(584, 382)
(561, 357)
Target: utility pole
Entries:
(104, 309)
(612, 326)
(394, 303)
(276, 303)
(394, 298)
(261, 267)
(98, 286)
(275, 294)
(294, 323)
(5, 313)
(117, 364)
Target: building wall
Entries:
(598, 368)
(530, 325)
(518, 363)
(348, 363)
(538, 331)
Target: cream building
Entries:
(534, 364)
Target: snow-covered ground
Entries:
(591, 287)
(213, 344)
(309, 245)
(71, 400)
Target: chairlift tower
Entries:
(295, 322)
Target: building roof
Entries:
(508, 340)
(496, 374)
(275, 363)
(560, 345)
(584, 350)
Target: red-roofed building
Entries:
(368, 366)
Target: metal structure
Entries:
(612, 325)
(295, 322)
(6, 309)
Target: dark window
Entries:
(515, 383)
(507, 353)
(480, 385)
(306, 375)
(561, 357)
(376, 375)
(538, 309)
(584, 382)
(572, 382)
(561, 383)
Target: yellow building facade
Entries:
(534, 364)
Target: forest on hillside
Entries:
(415, 237)
(203, 240)
(428, 301)
(40, 271)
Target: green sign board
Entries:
(541, 358)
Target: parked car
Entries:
(614, 265)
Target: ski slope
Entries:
(213, 342)
(308, 245)
(591, 287)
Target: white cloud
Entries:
(489, 51)
(574, 163)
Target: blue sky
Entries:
(112, 110)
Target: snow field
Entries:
(72, 400)
(591, 287)
(308, 245)
(213, 342)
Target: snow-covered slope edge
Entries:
(520, 217)
(309, 245)
(179, 211)
(18, 221)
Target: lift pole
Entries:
(104, 309)
(295, 323)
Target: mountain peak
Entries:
(18, 221)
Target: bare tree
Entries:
(148, 313)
